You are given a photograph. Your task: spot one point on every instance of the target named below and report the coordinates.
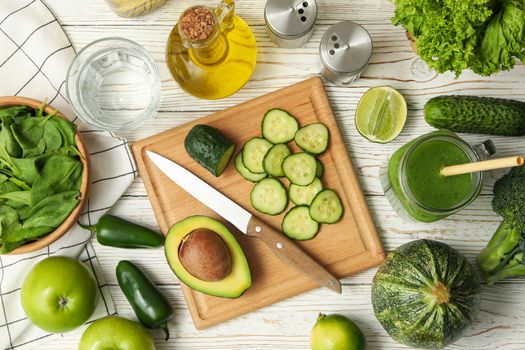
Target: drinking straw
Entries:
(492, 164)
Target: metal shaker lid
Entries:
(290, 19)
(346, 47)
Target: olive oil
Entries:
(217, 65)
(134, 8)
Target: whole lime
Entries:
(336, 332)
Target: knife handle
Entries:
(290, 253)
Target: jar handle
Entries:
(485, 149)
(225, 12)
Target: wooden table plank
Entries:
(286, 325)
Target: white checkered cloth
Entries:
(34, 57)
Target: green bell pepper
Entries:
(151, 307)
(116, 232)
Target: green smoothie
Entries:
(424, 178)
(424, 193)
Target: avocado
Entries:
(236, 282)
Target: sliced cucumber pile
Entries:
(304, 195)
(247, 174)
(300, 168)
(313, 138)
(326, 207)
(253, 154)
(269, 196)
(279, 126)
(263, 159)
(273, 160)
(297, 224)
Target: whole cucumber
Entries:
(477, 115)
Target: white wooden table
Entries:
(286, 325)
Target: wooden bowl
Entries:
(72, 218)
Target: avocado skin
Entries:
(477, 115)
(232, 286)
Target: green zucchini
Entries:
(247, 174)
(297, 224)
(209, 147)
(278, 126)
(477, 115)
(273, 160)
(426, 295)
(269, 196)
(253, 154)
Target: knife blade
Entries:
(284, 248)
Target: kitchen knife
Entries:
(248, 224)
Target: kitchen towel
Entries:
(34, 57)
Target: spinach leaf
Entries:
(29, 134)
(22, 197)
(52, 137)
(51, 211)
(21, 236)
(60, 173)
(7, 140)
(17, 113)
(9, 221)
(67, 129)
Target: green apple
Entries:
(59, 294)
(116, 333)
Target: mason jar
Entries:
(414, 185)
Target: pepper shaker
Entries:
(345, 50)
(290, 23)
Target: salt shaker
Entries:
(290, 23)
(345, 50)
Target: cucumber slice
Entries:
(247, 174)
(300, 168)
(253, 154)
(313, 138)
(320, 169)
(273, 160)
(297, 224)
(304, 195)
(278, 126)
(269, 197)
(326, 207)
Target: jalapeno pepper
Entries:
(116, 232)
(151, 307)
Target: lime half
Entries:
(381, 114)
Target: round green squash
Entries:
(425, 294)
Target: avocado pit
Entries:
(205, 255)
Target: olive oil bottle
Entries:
(211, 53)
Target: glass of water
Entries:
(113, 84)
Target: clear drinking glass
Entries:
(113, 84)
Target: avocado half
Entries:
(233, 285)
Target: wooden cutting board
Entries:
(345, 248)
